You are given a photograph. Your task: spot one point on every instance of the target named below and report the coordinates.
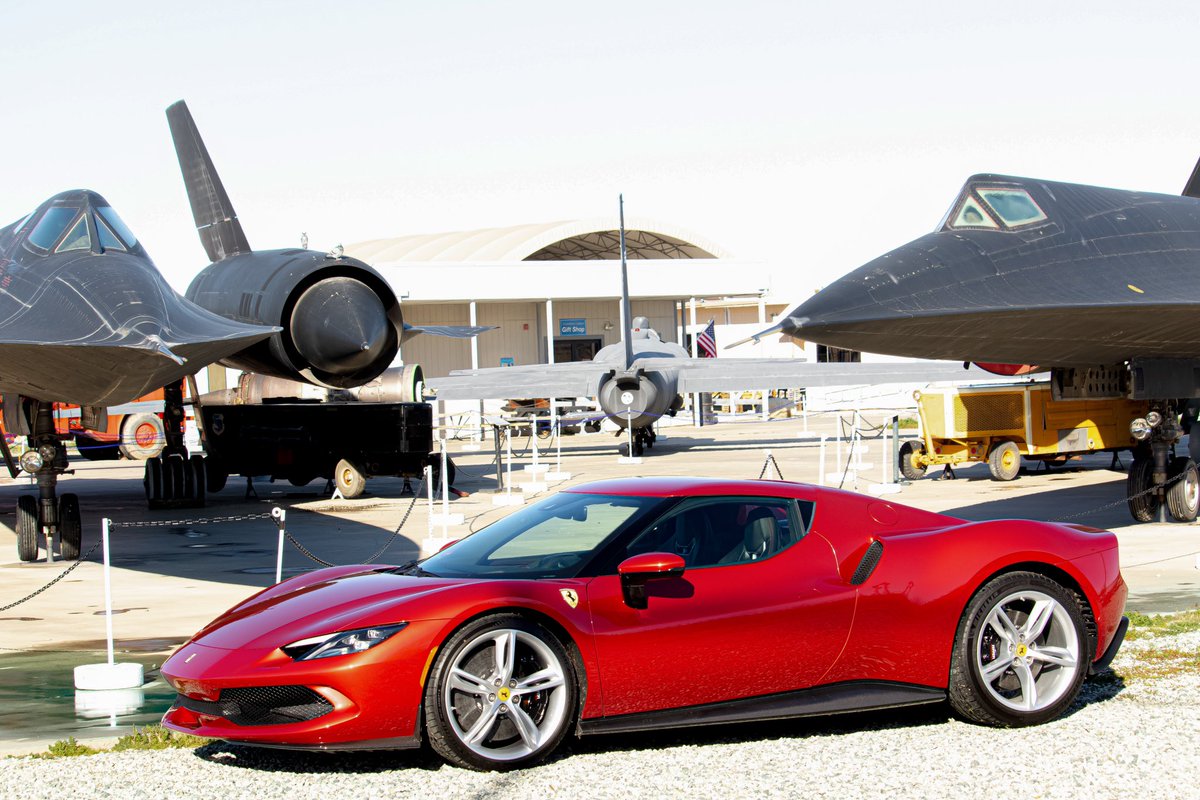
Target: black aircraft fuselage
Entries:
(86, 317)
(1074, 276)
(1097, 285)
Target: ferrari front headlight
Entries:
(341, 643)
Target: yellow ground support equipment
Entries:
(1001, 424)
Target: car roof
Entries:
(682, 486)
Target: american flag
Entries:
(707, 342)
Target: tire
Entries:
(152, 480)
(1021, 652)
(70, 527)
(1005, 461)
(1142, 507)
(214, 474)
(174, 483)
(908, 467)
(468, 719)
(199, 471)
(96, 450)
(435, 472)
(349, 479)
(27, 527)
(142, 436)
(1183, 489)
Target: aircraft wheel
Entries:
(909, 468)
(27, 528)
(153, 481)
(215, 474)
(638, 449)
(1005, 461)
(70, 526)
(1143, 507)
(142, 436)
(175, 478)
(1183, 495)
(199, 472)
(349, 479)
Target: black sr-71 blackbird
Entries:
(1100, 286)
(86, 318)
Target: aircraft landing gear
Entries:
(46, 514)
(175, 480)
(642, 438)
(1159, 482)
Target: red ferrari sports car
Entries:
(661, 602)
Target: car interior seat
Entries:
(758, 538)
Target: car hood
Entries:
(312, 607)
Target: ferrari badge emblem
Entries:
(570, 596)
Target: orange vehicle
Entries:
(135, 429)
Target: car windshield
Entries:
(552, 539)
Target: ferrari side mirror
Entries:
(635, 571)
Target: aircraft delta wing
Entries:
(1097, 285)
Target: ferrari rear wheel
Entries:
(502, 694)
(1021, 652)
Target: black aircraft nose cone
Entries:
(339, 326)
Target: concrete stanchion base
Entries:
(92, 677)
(508, 499)
(447, 520)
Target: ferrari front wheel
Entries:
(1020, 653)
(501, 695)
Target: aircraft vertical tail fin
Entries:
(627, 330)
(1193, 185)
(216, 222)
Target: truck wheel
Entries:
(349, 479)
(435, 471)
(27, 527)
(909, 468)
(1005, 461)
(1142, 507)
(142, 436)
(1183, 489)
(96, 450)
(70, 527)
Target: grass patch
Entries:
(156, 737)
(908, 424)
(1165, 663)
(1145, 626)
(67, 748)
(152, 737)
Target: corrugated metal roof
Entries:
(519, 242)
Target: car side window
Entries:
(721, 531)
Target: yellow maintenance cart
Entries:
(1002, 423)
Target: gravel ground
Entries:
(1135, 739)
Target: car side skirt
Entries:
(817, 701)
(397, 743)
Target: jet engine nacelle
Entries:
(341, 321)
(638, 398)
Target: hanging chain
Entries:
(771, 461)
(312, 556)
(61, 575)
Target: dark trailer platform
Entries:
(347, 442)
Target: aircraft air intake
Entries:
(637, 397)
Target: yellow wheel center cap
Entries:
(1022, 650)
(505, 693)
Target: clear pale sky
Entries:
(810, 136)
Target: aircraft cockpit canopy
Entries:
(62, 229)
(982, 207)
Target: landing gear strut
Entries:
(48, 513)
(1158, 481)
(173, 479)
(642, 438)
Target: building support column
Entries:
(697, 412)
(550, 360)
(477, 435)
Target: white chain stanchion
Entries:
(112, 675)
(507, 498)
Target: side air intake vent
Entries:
(869, 561)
